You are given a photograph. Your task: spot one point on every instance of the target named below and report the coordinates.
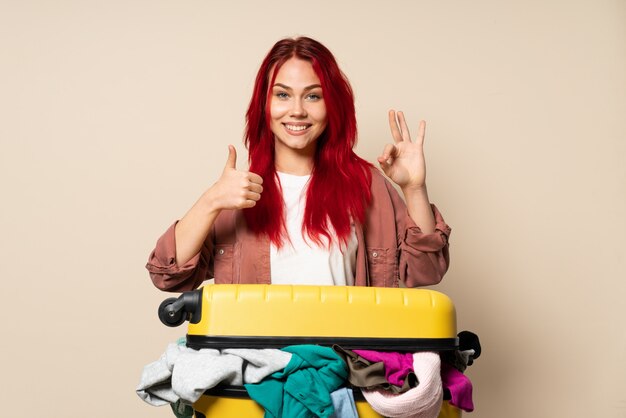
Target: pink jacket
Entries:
(392, 250)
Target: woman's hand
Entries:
(235, 189)
(403, 161)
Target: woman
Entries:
(309, 211)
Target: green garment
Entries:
(182, 410)
(303, 388)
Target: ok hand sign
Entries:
(403, 161)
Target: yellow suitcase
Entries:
(275, 316)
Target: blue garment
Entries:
(343, 402)
(303, 388)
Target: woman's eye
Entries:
(314, 97)
(282, 95)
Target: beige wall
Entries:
(115, 116)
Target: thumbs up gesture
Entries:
(236, 189)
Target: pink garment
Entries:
(423, 401)
(397, 365)
(459, 386)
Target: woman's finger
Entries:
(421, 133)
(253, 196)
(257, 188)
(393, 125)
(388, 155)
(248, 204)
(255, 178)
(404, 128)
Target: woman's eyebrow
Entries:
(311, 87)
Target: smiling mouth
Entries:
(296, 128)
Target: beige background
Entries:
(115, 116)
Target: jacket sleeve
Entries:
(169, 276)
(423, 259)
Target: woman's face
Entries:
(297, 108)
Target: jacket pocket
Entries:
(223, 263)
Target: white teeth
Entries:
(296, 128)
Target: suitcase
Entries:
(275, 316)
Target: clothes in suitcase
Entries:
(277, 316)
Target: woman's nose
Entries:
(298, 109)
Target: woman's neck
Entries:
(292, 162)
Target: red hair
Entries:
(339, 189)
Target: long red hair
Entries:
(339, 188)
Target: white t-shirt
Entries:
(302, 261)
